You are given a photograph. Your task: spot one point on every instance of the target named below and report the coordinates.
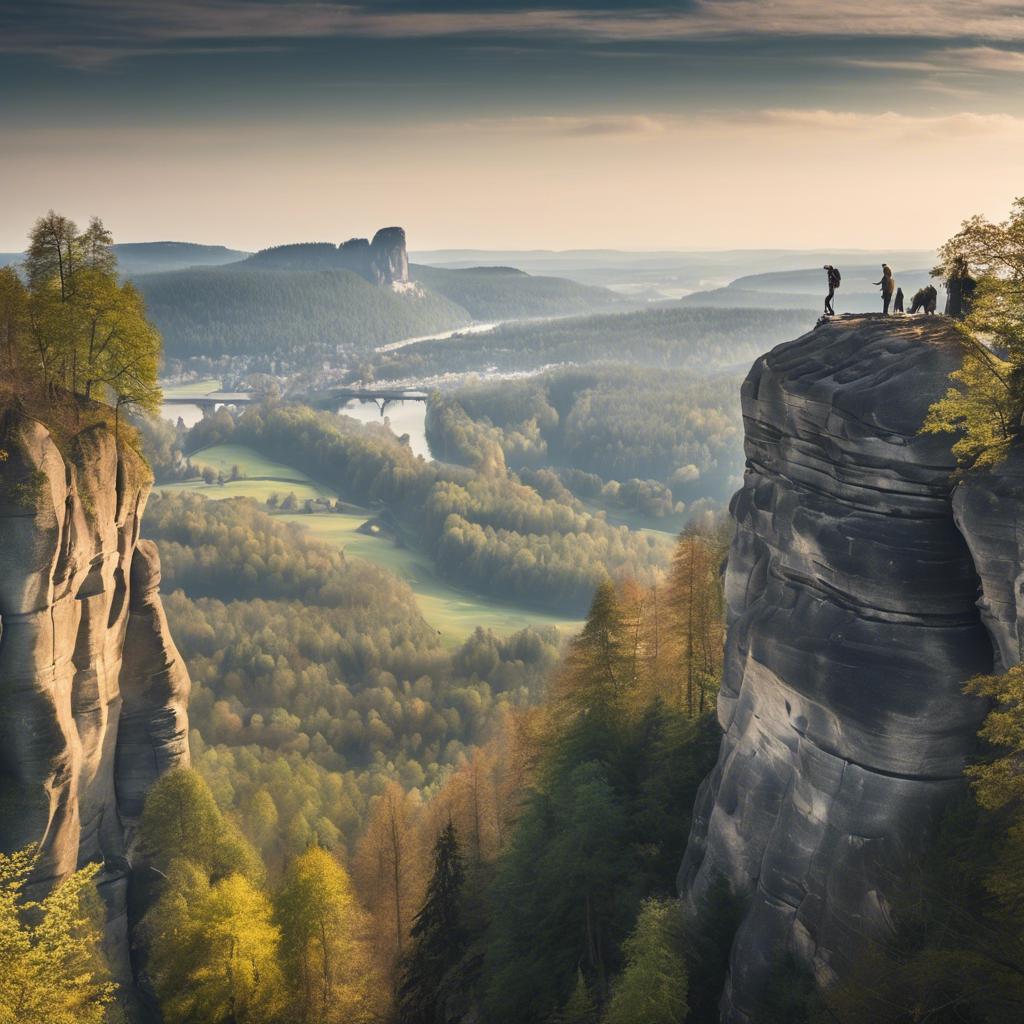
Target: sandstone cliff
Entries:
(852, 625)
(93, 692)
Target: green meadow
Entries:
(453, 612)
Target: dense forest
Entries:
(294, 887)
(626, 437)
(284, 319)
(482, 527)
(700, 340)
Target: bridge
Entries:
(381, 397)
(209, 402)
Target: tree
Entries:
(322, 947)
(214, 950)
(652, 987)
(438, 935)
(986, 400)
(51, 971)
(182, 820)
(385, 864)
(89, 332)
(580, 1008)
(13, 323)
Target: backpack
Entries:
(836, 277)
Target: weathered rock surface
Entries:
(989, 510)
(852, 625)
(92, 690)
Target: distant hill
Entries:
(503, 293)
(292, 315)
(805, 288)
(135, 258)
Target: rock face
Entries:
(93, 692)
(852, 625)
(383, 262)
(389, 259)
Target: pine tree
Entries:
(652, 988)
(439, 938)
(580, 1008)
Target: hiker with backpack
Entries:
(834, 280)
(888, 283)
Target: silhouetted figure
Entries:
(925, 299)
(897, 303)
(959, 289)
(888, 283)
(834, 280)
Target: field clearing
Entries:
(260, 490)
(193, 389)
(453, 612)
(257, 469)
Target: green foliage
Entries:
(438, 936)
(487, 531)
(213, 950)
(315, 680)
(83, 330)
(322, 951)
(580, 1008)
(701, 340)
(287, 319)
(51, 970)
(986, 402)
(652, 985)
(620, 424)
(602, 827)
(181, 820)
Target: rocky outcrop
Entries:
(852, 625)
(383, 262)
(92, 690)
(389, 259)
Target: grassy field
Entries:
(258, 471)
(258, 489)
(193, 389)
(454, 613)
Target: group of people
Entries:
(960, 287)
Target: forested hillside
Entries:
(503, 293)
(286, 318)
(702, 340)
(483, 528)
(332, 730)
(656, 436)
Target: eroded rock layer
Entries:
(852, 625)
(93, 692)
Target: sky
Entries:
(696, 124)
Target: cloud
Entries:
(572, 127)
(891, 124)
(86, 32)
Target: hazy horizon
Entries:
(710, 124)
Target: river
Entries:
(403, 418)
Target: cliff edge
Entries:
(93, 692)
(853, 621)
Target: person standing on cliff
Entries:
(888, 283)
(834, 279)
